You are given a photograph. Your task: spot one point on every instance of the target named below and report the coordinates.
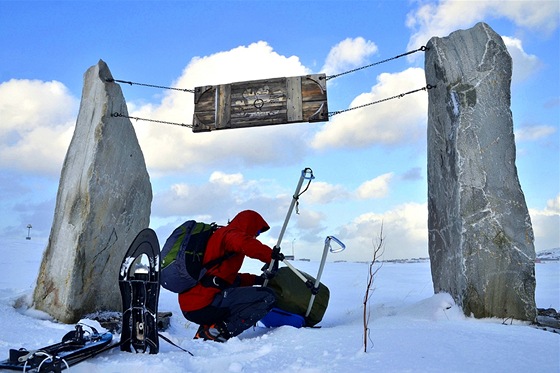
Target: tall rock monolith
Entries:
(480, 234)
(103, 201)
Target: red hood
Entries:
(250, 222)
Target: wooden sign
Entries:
(261, 103)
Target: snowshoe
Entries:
(139, 286)
(75, 347)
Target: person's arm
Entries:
(249, 246)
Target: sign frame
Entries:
(261, 103)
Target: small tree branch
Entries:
(372, 272)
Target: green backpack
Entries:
(293, 295)
(182, 256)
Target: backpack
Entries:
(292, 299)
(182, 255)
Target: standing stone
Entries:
(104, 200)
(480, 234)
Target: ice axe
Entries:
(328, 247)
(306, 174)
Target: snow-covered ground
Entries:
(412, 330)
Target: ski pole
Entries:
(306, 174)
(315, 288)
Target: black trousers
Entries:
(238, 308)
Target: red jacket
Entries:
(238, 237)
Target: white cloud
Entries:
(40, 150)
(219, 177)
(308, 233)
(532, 133)
(347, 54)
(171, 149)
(546, 223)
(442, 18)
(388, 123)
(323, 193)
(310, 221)
(255, 61)
(375, 188)
(25, 104)
(524, 65)
(37, 124)
(553, 205)
(219, 198)
(539, 15)
(405, 232)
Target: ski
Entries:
(139, 286)
(75, 347)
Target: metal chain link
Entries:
(332, 113)
(421, 49)
(150, 85)
(119, 115)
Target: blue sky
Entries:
(369, 164)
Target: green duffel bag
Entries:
(293, 295)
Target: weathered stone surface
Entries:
(480, 234)
(104, 200)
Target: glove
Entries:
(277, 257)
(268, 275)
(276, 254)
(259, 280)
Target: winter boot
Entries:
(214, 332)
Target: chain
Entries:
(332, 113)
(421, 49)
(149, 85)
(117, 115)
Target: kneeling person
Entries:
(226, 302)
